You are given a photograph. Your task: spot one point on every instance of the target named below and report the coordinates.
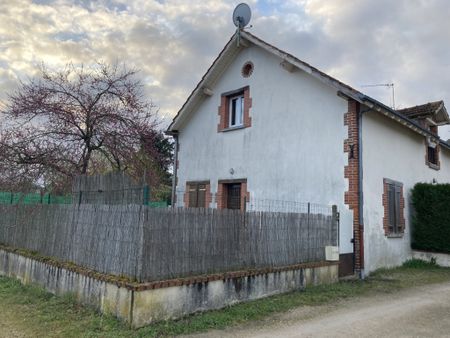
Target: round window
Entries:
(247, 69)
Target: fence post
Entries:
(48, 198)
(12, 197)
(245, 209)
(146, 194)
(335, 223)
(309, 232)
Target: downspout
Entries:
(175, 168)
(361, 192)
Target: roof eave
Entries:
(286, 57)
(198, 91)
(342, 89)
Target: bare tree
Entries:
(79, 121)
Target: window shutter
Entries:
(397, 208)
(193, 196)
(394, 221)
(201, 196)
(391, 208)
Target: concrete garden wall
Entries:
(144, 303)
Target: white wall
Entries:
(294, 149)
(392, 151)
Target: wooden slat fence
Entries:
(111, 188)
(102, 237)
(155, 244)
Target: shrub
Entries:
(431, 221)
(419, 264)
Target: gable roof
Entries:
(231, 49)
(436, 111)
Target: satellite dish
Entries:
(242, 15)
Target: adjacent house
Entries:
(264, 125)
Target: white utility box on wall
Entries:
(332, 253)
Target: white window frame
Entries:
(239, 118)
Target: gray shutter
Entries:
(391, 208)
(201, 196)
(397, 208)
(193, 196)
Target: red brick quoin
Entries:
(351, 197)
(224, 109)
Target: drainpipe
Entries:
(360, 192)
(175, 168)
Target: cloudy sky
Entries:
(173, 42)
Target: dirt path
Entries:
(420, 312)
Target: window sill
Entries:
(233, 128)
(399, 235)
(433, 166)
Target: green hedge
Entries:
(431, 221)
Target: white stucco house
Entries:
(262, 124)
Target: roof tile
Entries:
(423, 110)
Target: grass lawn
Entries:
(31, 311)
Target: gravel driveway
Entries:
(418, 312)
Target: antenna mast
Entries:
(389, 85)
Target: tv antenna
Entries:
(241, 17)
(389, 85)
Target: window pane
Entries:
(240, 111)
(236, 111)
(233, 112)
(234, 196)
(432, 156)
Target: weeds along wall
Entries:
(148, 244)
(431, 219)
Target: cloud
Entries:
(173, 42)
(372, 42)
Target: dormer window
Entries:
(236, 114)
(432, 155)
